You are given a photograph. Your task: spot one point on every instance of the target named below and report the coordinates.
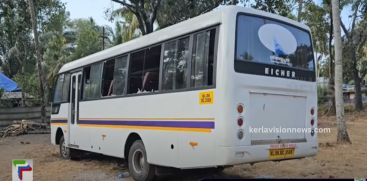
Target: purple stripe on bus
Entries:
(179, 124)
(58, 121)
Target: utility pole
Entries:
(103, 36)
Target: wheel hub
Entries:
(138, 161)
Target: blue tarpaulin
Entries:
(7, 84)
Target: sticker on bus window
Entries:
(206, 97)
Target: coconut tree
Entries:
(342, 136)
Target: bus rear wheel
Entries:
(139, 167)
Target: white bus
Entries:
(188, 96)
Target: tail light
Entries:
(240, 121)
(240, 108)
(312, 111)
(312, 122)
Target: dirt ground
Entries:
(332, 161)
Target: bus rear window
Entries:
(273, 48)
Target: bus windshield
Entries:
(270, 47)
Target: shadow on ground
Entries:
(166, 175)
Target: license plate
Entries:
(281, 153)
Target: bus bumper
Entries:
(258, 153)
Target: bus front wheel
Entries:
(139, 167)
(66, 152)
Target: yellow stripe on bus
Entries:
(58, 124)
(203, 130)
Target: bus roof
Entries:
(200, 22)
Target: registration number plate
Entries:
(281, 153)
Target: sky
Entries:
(87, 8)
(97, 8)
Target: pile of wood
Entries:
(23, 127)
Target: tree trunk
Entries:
(331, 85)
(331, 94)
(42, 80)
(145, 18)
(343, 136)
(23, 99)
(358, 104)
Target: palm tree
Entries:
(343, 136)
(128, 29)
(42, 78)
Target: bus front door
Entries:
(74, 108)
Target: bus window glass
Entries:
(183, 57)
(58, 89)
(151, 69)
(119, 76)
(202, 59)
(73, 82)
(107, 78)
(211, 57)
(92, 81)
(135, 72)
(272, 48)
(180, 69)
(144, 70)
(65, 88)
(169, 69)
(61, 93)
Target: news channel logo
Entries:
(22, 170)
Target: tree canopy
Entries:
(63, 39)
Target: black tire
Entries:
(66, 152)
(219, 169)
(139, 167)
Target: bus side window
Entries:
(203, 59)
(61, 93)
(92, 81)
(151, 69)
(107, 78)
(169, 68)
(144, 70)
(114, 76)
(66, 88)
(135, 71)
(183, 57)
(175, 59)
(119, 76)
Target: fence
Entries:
(8, 115)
